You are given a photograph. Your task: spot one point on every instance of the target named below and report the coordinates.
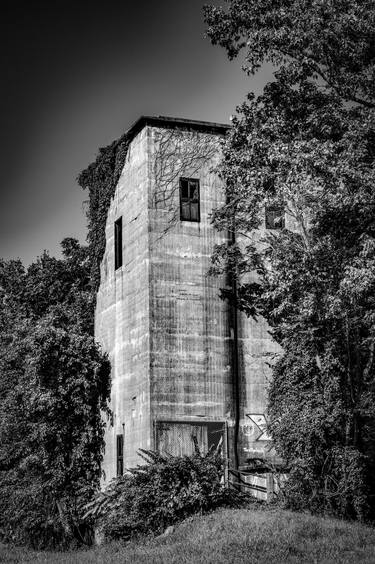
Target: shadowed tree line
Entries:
(306, 147)
(54, 382)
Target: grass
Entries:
(230, 536)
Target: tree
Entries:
(55, 384)
(330, 40)
(306, 148)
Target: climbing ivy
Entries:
(100, 178)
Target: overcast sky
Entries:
(75, 76)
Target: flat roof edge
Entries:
(171, 122)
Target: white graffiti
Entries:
(260, 424)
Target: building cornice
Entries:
(176, 123)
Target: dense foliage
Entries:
(54, 384)
(160, 493)
(100, 179)
(330, 39)
(302, 148)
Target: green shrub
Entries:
(336, 487)
(54, 389)
(164, 491)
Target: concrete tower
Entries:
(177, 352)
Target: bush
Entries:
(32, 517)
(166, 490)
(336, 487)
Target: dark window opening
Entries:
(189, 199)
(215, 433)
(275, 217)
(118, 243)
(120, 454)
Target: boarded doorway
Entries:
(177, 438)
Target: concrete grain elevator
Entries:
(170, 338)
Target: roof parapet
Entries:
(176, 123)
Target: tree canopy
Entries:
(305, 147)
(328, 39)
(54, 385)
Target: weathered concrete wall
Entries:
(190, 364)
(191, 337)
(257, 352)
(160, 317)
(122, 313)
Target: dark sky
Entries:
(75, 76)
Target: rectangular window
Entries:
(275, 217)
(189, 199)
(181, 438)
(118, 243)
(120, 454)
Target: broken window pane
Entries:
(194, 193)
(184, 189)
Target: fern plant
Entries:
(165, 490)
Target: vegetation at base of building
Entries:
(55, 381)
(229, 535)
(160, 493)
(306, 147)
(100, 179)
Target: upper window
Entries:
(118, 243)
(275, 217)
(189, 199)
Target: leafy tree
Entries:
(65, 285)
(332, 40)
(306, 147)
(54, 385)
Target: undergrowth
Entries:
(100, 178)
(166, 490)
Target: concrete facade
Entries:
(159, 316)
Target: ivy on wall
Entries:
(100, 178)
(177, 153)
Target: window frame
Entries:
(196, 183)
(120, 455)
(118, 243)
(272, 208)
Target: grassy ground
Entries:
(243, 536)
